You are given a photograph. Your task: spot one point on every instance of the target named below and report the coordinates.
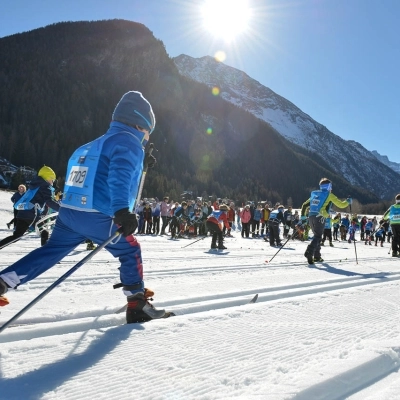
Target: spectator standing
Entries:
(155, 212)
(245, 217)
(14, 198)
(165, 209)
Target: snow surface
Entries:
(328, 332)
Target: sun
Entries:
(225, 19)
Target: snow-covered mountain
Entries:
(385, 160)
(346, 157)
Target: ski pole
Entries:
(355, 247)
(198, 240)
(294, 234)
(61, 279)
(354, 238)
(139, 195)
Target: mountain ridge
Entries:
(347, 157)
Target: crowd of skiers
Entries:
(256, 220)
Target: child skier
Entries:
(215, 223)
(368, 230)
(327, 232)
(352, 230)
(379, 236)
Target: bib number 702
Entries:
(77, 176)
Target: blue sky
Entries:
(337, 60)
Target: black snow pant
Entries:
(216, 234)
(327, 235)
(396, 238)
(317, 225)
(21, 226)
(274, 233)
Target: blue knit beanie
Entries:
(133, 109)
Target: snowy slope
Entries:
(315, 333)
(347, 158)
(385, 160)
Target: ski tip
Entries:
(266, 261)
(254, 299)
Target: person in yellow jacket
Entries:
(320, 203)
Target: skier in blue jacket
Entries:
(320, 203)
(33, 202)
(101, 186)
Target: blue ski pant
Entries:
(71, 229)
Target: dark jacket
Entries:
(16, 196)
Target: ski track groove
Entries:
(192, 305)
(195, 270)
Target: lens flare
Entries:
(220, 56)
(215, 91)
(209, 131)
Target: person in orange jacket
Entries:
(231, 219)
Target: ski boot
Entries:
(331, 244)
(318, 259)
(309, 257)
(90, 245)
(3, 289)
(221, 244)
(44, 237)
(141, 310)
